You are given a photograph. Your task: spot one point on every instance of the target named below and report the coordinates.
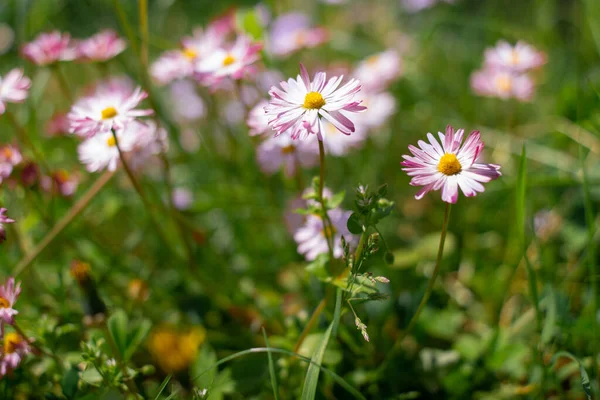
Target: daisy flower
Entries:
(105, 110)
(100, 47)
(292, 32)
(14, 88)
(503, 84)
(14, 349)
(449, 166)
(233, 61)
(148, 140)
(9, 157)
(100, 152)
(8, 292)
(338, 144)
(312, 238)
(518, 58)
(258, 121)
(300, 104)
(282, 151)
(380, 107)
(49, 48)
(376, 72)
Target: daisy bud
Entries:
(382, 279)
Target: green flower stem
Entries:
(143, 15)
(311, 323)
(327, 226)
(62, 81)
(64, 222)
(415, 317)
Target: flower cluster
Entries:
(15, 347)
(504, 74)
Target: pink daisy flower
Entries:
(292, 32)
(14, 349)
(48, 48)
(110, 107)
(282, 151)
(258, 121)
(14, 88)
(186, 104)
(518, 58)
(300, 104)
(173, 65)
(503, 84)
(376, 72)
(100, 151)
(449, 166)
(312, 238)
(102, 46)
(9, 157)
(8, 292)
(233, 62)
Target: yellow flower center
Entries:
(504, 83)
(111, 142)
(228, 60)
(313, 100)
(7, 152)
(61, 176)
(373, 60)
(109, 112)
(190, 53)
(288, 149)
(4, 303)
(449, 164)
(11, 341)
(80, 271)
(514, 57)
(328, 232)
(300, 38)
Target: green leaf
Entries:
(136, 338)
(271, 368)
(585, 379)
(312, 375)
(354, 225)
(117, 327)
(69, 382)
(162, 387)
(249, 21)
(336, 200)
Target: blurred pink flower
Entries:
(380, 107)
(14, 88)
(48, 48)
(9, 292)
(503, 84)
(182, 198)
(60, 182)
(107, 109)
(14, 350)
(292, 32)
(9, 157)
(312, 237)
(149, 140)
(418, 5)
(338, 144)
(187, 105)
(282, 151)
(100, 152)
(257, 120)
(58, 125)
(300, 104)
(449, 166)
(102, 46)
(376, 72)
(518, 58)
(229, 61)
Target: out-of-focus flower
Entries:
(282, 151)
(187, 104)
(235, 62)
(174, 351)
(449, 166)
(106, 110)
(292, 32)
(380, 106)
(81, 271)
(9, 157)
(182, 198)
(14, 349)
(312, 237)
(9, 292)
(102, 46)
(48, 48)
(14, 88)
(173, 65)
(418, 5)
(58, 125)
(503, 84)
(61, 182)
(100, 151)
(338, 144)
(299, 104)
(258, 121)
(149, 140)
(518, 58)
(138, 290)
(30, 174)
(376, 72)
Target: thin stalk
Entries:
(129, 383)
(129, 32)
(426, 296)
(311, 323)
(143, 15)
(64, 222)
(327, 226)
(62, 81)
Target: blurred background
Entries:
(477, 338)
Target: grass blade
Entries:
(312, 375)
(271, 368)
(163, 385)
(585, 379)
